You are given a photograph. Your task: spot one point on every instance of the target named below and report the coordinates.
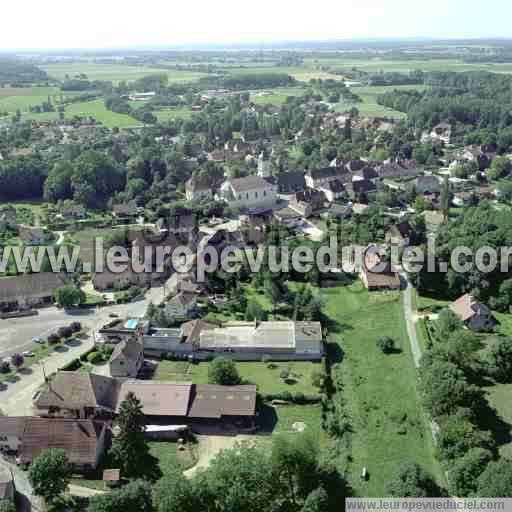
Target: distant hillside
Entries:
(15, 72)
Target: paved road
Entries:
(16, 333)
(409, 322)
(16, 399)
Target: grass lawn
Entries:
(164, 453)
(282, 418)
(431, 304)
(505, 323)
(85, 239)
(383, 403)
(500, 398)
(267, 379)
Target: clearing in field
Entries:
(369, 107)
(383, 403)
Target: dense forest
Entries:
(18, 74)
(475, 101)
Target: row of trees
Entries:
(449, 380)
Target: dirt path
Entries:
(209, 446)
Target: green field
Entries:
(95, 109)
(369, 107)
(167, 114)
(387, 65)
(303, 74)
(12, 99)
(116, 72)
(277, 97)
(389, 425)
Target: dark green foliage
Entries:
(223, 371)
(466, 470)
(129, 448)
(411, 481)
(50, 473)
(133, 497)
(496, 480)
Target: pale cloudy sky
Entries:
(110, 23)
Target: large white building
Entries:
(252, 340)
(251, 192)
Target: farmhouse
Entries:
(77, 395)
(127, 358)
(475, 315)
(399, 234)
(283, 340)
(82, 440)
(198, 406)
(378, 276)
(199, 188)
(29, 290)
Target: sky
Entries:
(38, 24)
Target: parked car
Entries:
(37, 339)
(27, 353)
(113, 315)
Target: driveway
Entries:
(410, 321)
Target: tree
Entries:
(17, 360)
(444, 386)
(501, 359)
(69, 295)
(317, 501)
(409, 480)
(176, 493)
(7, 506)
(458, 435)
(445, 197)
(294, 463)
(130, 448)
(222, 371)
(254, 311)
(496, 480)
(466, 470)
(447, 322)
(386, 344)
(133, 497)
(50, 474)
(237, 480)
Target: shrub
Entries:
(94, 358)
(284, 374)
(386, 344)
(317, 379)
(53, 338)
(5, 367)
(75, 326)
(64, 332)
